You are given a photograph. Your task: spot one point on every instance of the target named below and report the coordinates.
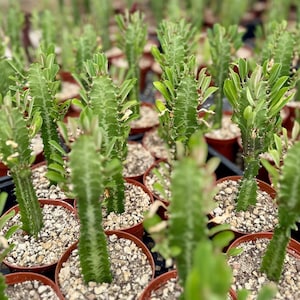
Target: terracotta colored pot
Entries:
(120, 234)
(137, 130)
(226, 147)
(157, 283)
(293, 247)
(263, 186)
(3, 169)
(43, 268)
(291, 111)
(18, 277)
(161, 280)
(138, 229)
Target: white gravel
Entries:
(31, 290)
(60, 230)
(129, 266)
(148, 118)
(262, 217)
(155, 144)
(137, 202)
(138, 160)
(246, 271)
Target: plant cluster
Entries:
(257, 100)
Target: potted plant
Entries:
(288, 215)
(183, 94)
(92, 171)
(223, 45)
(109, 102)
(256, 100)
(272, 256)
(131, 40)
(184, 236)
(30, 212)
(16, 154)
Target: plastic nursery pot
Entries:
(292, 110)
(144, 128)
(3, 169)
(162, 209)
(161, 280)
(293, 247)
(157, 283)
(139, 160)
(42, 164)
(138, 229)
(18, 277)
(120, 234)
(228, 147)
(42, 269)
(263, 186)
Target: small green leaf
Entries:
(234, 251)
(54, 176)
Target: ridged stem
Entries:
(30, 210)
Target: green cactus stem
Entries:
(132, 40)
(288, 213)
(108, 102)
(16, 154)
(43, 87)
(86, 177)
(223, 43)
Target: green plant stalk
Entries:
(192, 228)
(202, 282)
(85, 46)
(76, 12)
(103, 11)
(185, 232)
(186, 120)
(132, 40)
(30, 211)
(3, 288)
(87, 178)
(273, 259)
(109, 103)
(157, 8)
(16, 154)
(43, 90)
(288, 215)
(49, 29)
(196, 7)
(223, 42)
(248, 185)
(178, 118)
(279, 46)
(15, 21)
(178, 43)
(116, 197)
